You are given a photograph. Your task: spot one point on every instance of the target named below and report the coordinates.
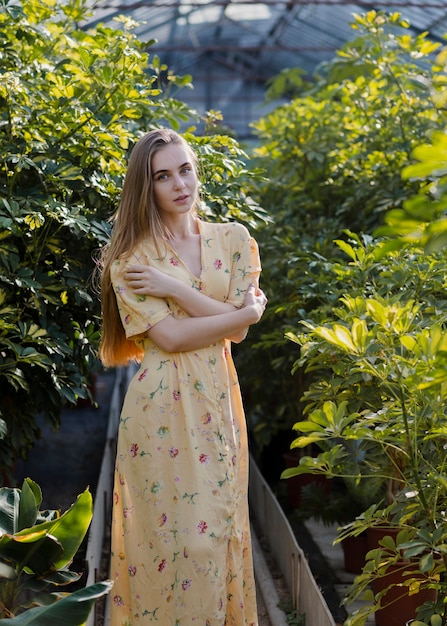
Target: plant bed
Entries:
(316, 539)
(291, 559)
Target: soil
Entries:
(285, 600)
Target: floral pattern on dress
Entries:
(181, 551)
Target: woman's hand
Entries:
(257, 300)
(147, 280)
(192, 333)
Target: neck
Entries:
(181, 228)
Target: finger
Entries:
(136, 272)
(136, 268)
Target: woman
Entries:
(175, 292)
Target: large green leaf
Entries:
(30, 500)
(69, 529)
(61, 577)
(37, 551)
(9, 510)
(50, 545)
(73, 610)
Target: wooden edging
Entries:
(97, 537)
(289, 557)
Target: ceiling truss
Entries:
(233, 47)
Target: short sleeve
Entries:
(138, 313)
(245, 264)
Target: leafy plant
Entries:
(36, 549)
(376, 408)
(293, 617)
(333, 157)
(422, 217)
(72, 103)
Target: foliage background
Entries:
(338, 158)
(359, 148)
(72, 103)
(346, 193)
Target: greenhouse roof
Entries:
(231, 48)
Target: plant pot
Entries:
(399, 607)
(376, 533)
(354, 553)
(296, 483)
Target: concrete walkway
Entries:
(324, 536)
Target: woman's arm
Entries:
(193, 333)
(147, 280)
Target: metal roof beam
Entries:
(237, 48)
(363, 4)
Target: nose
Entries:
(179, 183)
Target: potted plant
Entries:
(320, 180)
(304, 488)
(376, 409)
(340, 506)
(36, 549)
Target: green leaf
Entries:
(62, 577)
(349, 250)
(426, 562)
(9, 510)
(73, 610)
(36, 551)
(359, 332)
(30, 500)
(338, 336)
(70, 528)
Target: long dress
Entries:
(181, 549)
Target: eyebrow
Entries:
(163, 171)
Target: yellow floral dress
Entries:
(181, 551)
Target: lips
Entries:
(181, 198)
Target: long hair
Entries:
(137, 218)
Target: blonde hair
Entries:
(137, 218)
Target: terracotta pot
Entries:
(399, 607)
(354, 553)
(376, 533)
(296, 483)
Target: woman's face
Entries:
(174, 179)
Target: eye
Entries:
(186, 170)
(163, 176)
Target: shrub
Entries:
(333, 156)
(72, 103)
